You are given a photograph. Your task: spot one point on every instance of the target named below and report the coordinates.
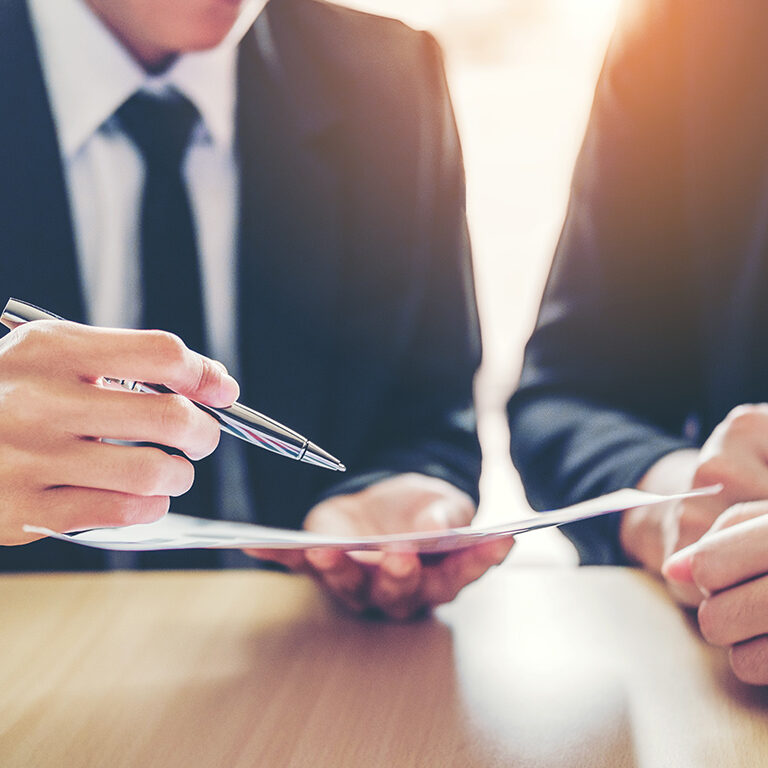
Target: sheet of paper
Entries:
(184, 532)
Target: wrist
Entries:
(641, 536)
(641, 530)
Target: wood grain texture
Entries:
(589, 667)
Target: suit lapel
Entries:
(289, 246)
(37, 251)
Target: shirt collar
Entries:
(89, 73)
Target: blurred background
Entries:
(522, 74)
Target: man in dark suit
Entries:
(337, 274)
(649, 354)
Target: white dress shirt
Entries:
(89, 74)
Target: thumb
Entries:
(441, 514)
(677, 567)
(678, 573)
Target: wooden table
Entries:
(529, 667)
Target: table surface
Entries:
(528, 667)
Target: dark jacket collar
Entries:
(287, 44)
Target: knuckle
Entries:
(30, 339)
(207, 375)
(150, 475)
(124, 509)
(151, 508)
(742, 663)
(133, 510)
(20, 469)
(175, 418)
(714, 470)
(36, 333)
(168, 347)
(186, 427)
(29, 333)
(188, 417)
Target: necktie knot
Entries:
(159, 126)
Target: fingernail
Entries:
(230, 389)
(227, 384)
(677, 567)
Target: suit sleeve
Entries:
(428, 422)
(610, 374)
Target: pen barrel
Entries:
(240, 421)
(254, 427)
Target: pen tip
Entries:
(314, 454)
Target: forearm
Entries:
(568, 450)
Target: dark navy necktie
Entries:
(161, 129)
(172, 296)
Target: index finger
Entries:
(151, 356)
(444, 581)
(723, 559)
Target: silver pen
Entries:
(237, 419)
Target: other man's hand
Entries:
(735, 456)
(728, 566)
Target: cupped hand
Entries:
(396, 584)
(55, 471)
(735, 456)
(728, 568)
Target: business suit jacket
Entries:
(356, 313)
(653, 322)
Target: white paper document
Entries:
(184, 532)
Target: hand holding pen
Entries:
(54, 412)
